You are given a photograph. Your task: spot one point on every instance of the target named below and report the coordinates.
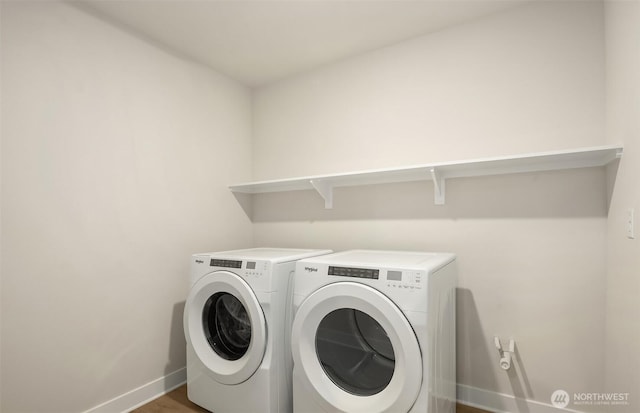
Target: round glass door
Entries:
(226, 326)
(355, 352)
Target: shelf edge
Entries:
(528, 162)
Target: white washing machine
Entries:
(237, 322)
(374, 331)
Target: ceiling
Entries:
(261, 41)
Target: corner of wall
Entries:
(622, 361)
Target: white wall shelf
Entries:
(440, 172)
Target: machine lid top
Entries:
(269, 254)
(395, 259)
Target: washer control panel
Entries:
(255, 268)
(251, 268)
(216, 262)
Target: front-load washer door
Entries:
(225, 325)
(356, 350)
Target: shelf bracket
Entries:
(325, 189)
(438, 187)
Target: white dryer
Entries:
(374, 331)
(237, 321)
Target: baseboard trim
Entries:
(503, 403)
(471, 396)
(143, 394)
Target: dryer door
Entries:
(356, 350)
(225, 325)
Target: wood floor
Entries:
(461, 408)
(176, 402)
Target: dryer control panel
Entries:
(402, 279)
(354, 272)
(410, 280)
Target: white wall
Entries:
(115, 161)
(531, 247)
(623, 254)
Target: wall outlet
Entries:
(631, 233)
